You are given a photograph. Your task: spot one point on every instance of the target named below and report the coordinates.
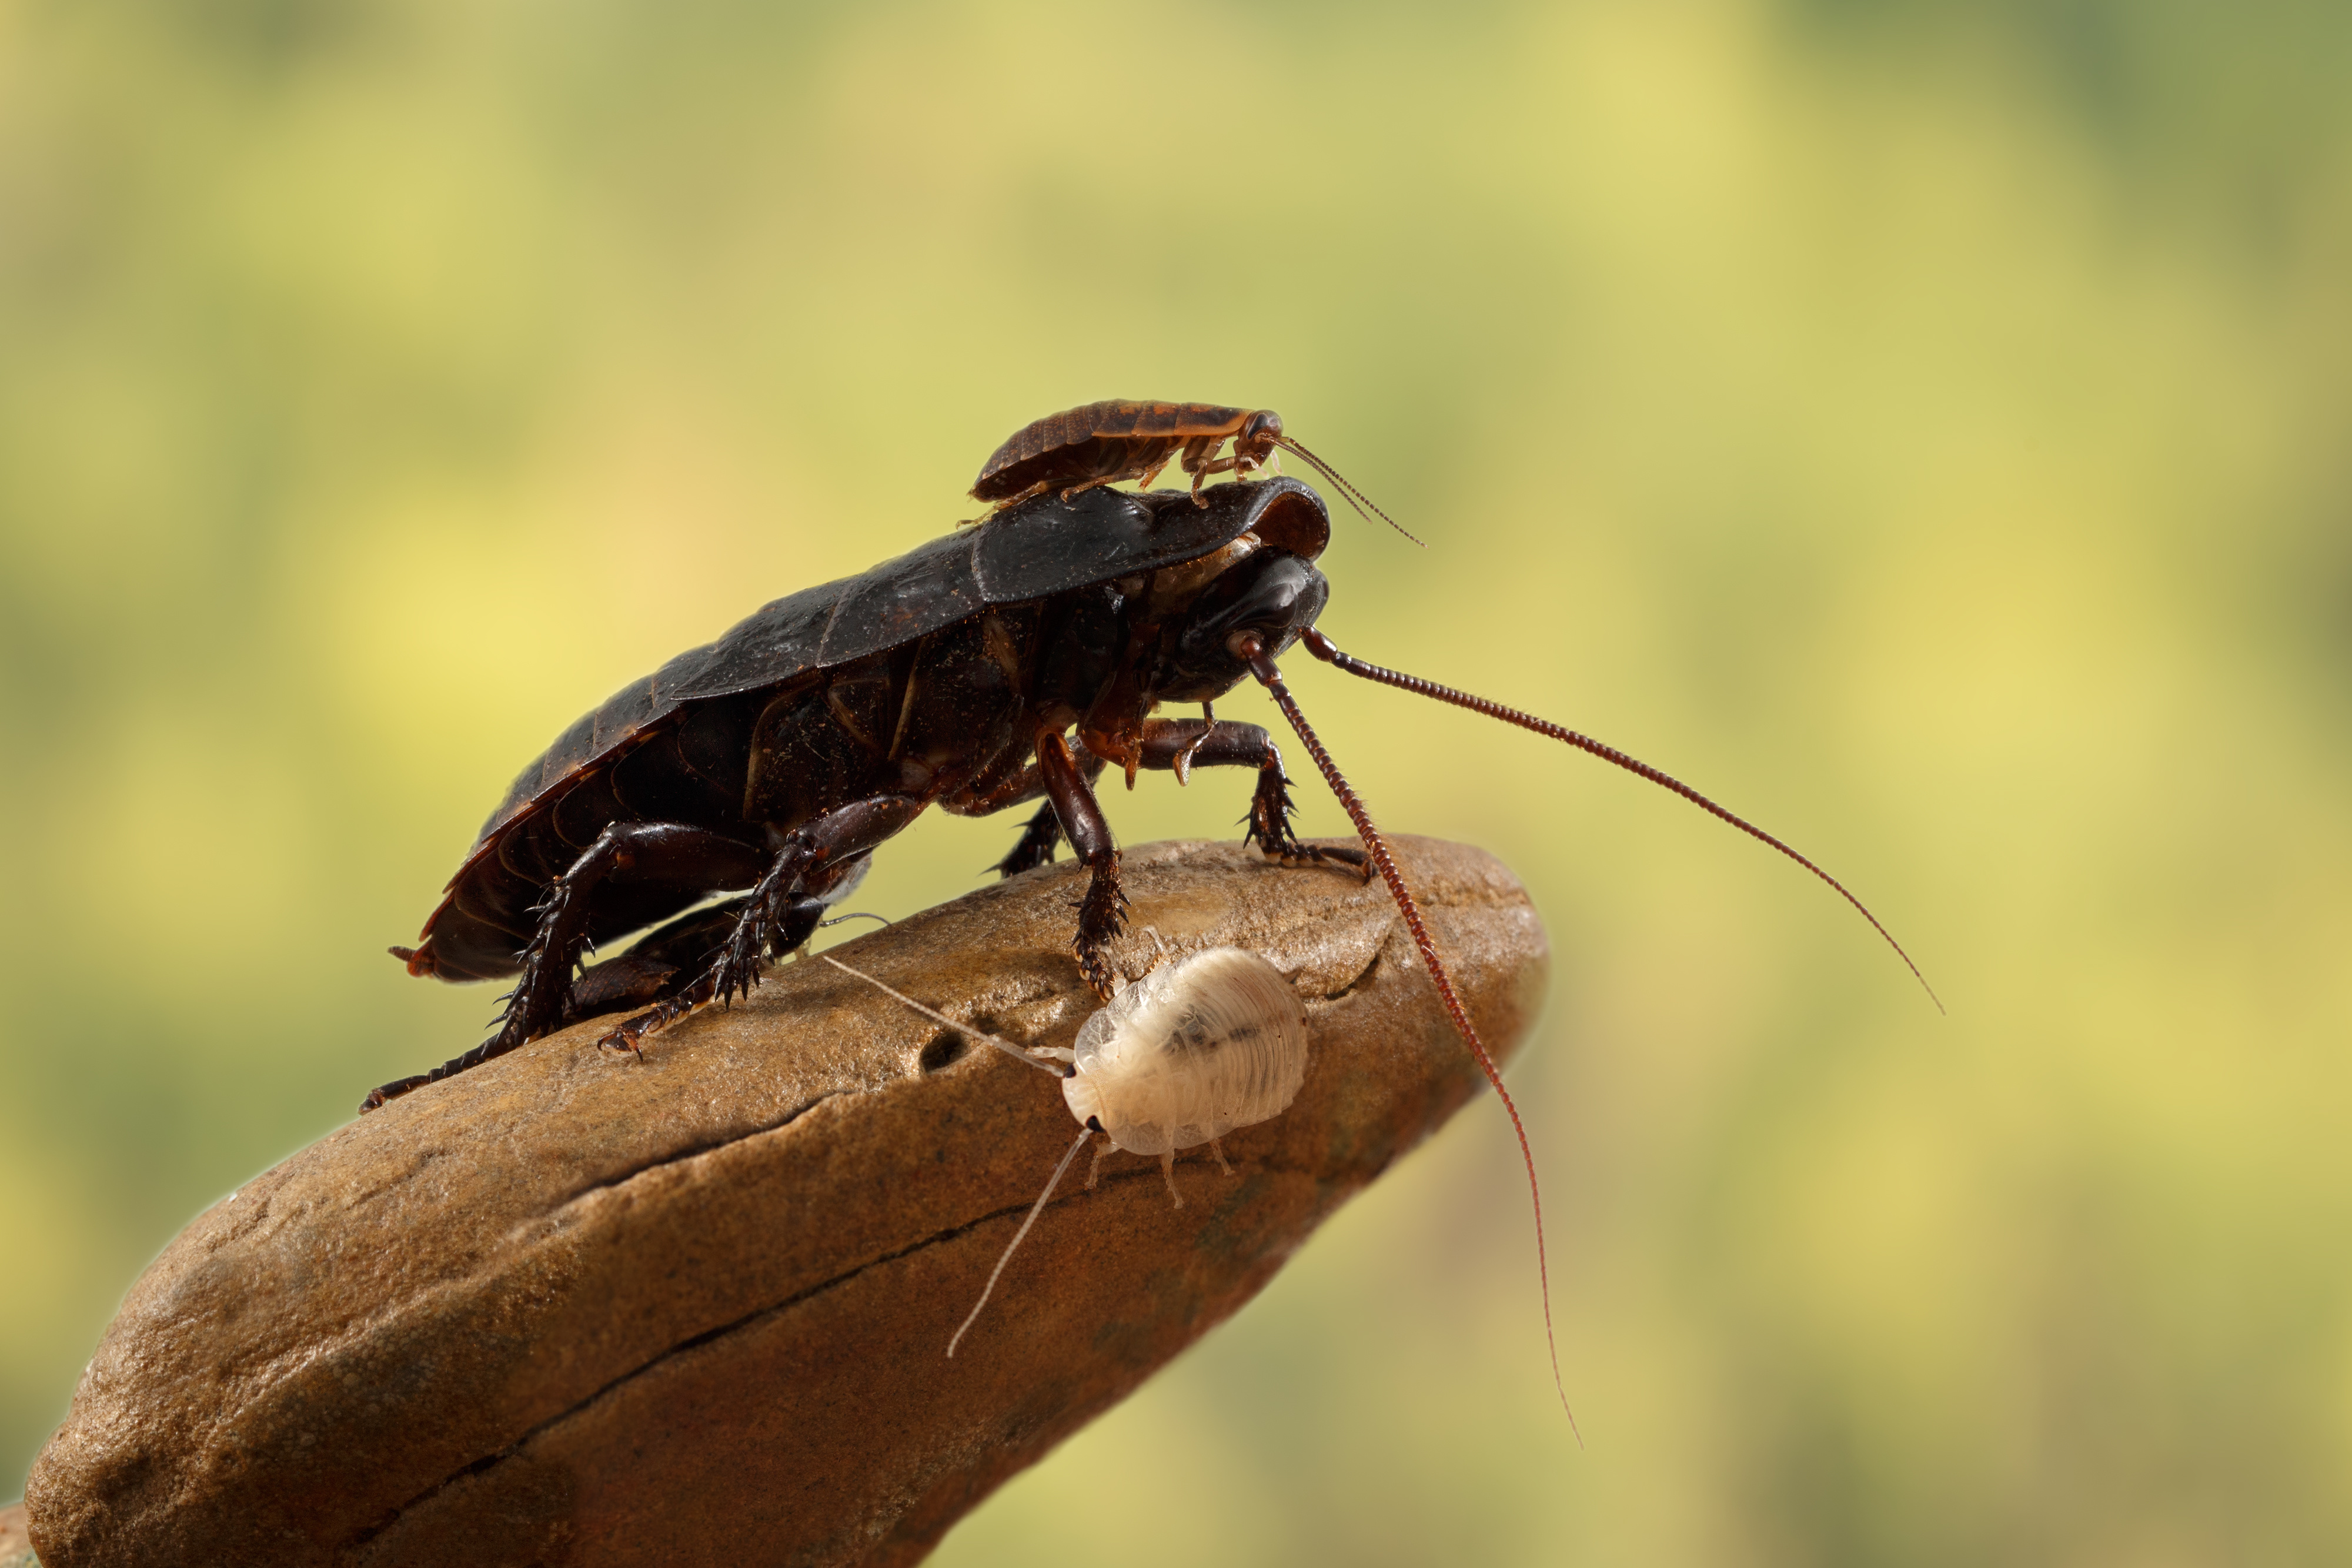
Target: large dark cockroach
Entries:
(1119, 439)
(997, 666)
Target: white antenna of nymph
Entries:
(1019, 1236)
(1006, 1045)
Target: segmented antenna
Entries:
(1263, 667)
(1019, 1236)
(1323, 648)
(1006, 1045)
(1355, 499)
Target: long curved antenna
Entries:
(1355, 499)
(1006, 1045)
(1323, 648)
(1019, 1236)
(1262, 666)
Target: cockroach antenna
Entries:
(983, 1036)
(1323, 648)
(1249, 645)
(1355, 499)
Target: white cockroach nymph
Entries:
(1195, 1049)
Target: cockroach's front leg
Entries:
(1102, 914)
(1180, 744)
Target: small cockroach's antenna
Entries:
(1006, 1045)
(1262, 666)
(1323, 648)
(1355, 499)
(1019, 1236)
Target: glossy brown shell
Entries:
(1007, 472)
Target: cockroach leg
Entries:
(1181, 763)
(1094, 1170)
(624, 852)
(1102, 913)
(1168, 1172)
(1252, 649)
(1218, 1149)
(1225, 743)
(1035, 846)
(1323, 648)
(776, 917)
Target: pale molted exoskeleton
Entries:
(1211, 1042)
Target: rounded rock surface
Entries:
(567, 1304)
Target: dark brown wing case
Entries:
(1045, 547)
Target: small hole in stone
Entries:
(946, 1049)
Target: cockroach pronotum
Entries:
(1211, 1042)
(1120, 439)
(1000, 665)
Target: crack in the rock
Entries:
(694, 1342)
(1363, 977)
(696, 1151)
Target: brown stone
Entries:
(569, 1304)
(15, 1546)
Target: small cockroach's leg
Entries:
(1019, 1236)
(1197, 453)
(1168, 1172)
(1323, 648)
(1251, 649)
(1218, 1149)
(624, 852)
(1094, 1170)
(1102, 913)
(833, 838)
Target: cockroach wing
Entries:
(1045, 547)
(1034, 550)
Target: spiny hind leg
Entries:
(625, 852)
(1036, 845)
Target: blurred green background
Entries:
(1921, 424)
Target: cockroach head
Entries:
(1260, 433)
(1272, 595)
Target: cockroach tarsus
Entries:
(1198, 1048)
(1119, 439)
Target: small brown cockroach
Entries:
(1213, 1042)
(1120, 438)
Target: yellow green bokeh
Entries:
(1921, 425)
